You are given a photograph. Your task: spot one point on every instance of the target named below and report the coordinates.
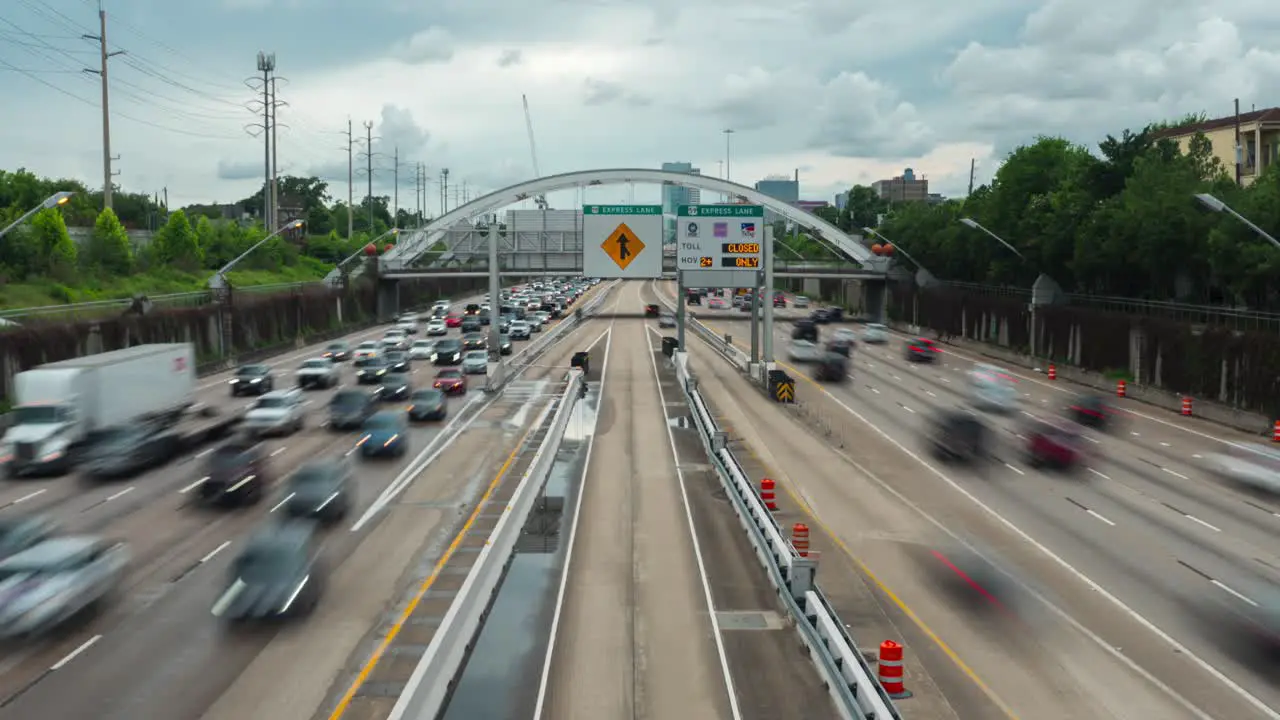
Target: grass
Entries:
(39, 293)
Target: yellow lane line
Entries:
(902, 606)
(426, 585)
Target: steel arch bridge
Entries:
(412, 246)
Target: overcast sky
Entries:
(846, 92)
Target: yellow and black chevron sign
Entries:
(785, 392)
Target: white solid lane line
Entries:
(1099, 516)
(1223, 586)
(29, 496)
(193, 485)
(215, 551)
(72, 655)
(121, 494)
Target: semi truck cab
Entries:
(41, 438)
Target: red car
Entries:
(779, 300)
(451, 381)
(922, 350)
(452, 320)
(1052, 445)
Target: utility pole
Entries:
(166, 201)
(368, 138)
(266, 66)
(417, 194)
(1239, 150)
(351, 185)
(275, 166)
(444, 191)
(104, 55)
(973, 165)
(395, 187)
(728, 148)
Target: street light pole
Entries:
(373, 242)
(219, 279)
(728, 148)
(54, 200)
(1217, 205)
(896, 247)
(970, 222)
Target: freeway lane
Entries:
(160, 618)
(1144, 525)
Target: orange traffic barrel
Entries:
(1121, 387)
(890, 670)
(1275, 432)
(1053, 371)
(767, 495)
(1186, 404)
(800, 539)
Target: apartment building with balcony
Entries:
(1259, 140)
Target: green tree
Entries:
(108, 248)
(56, 249)
(862, 209)
(177, 245)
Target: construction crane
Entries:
(540, 199)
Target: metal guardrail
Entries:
(429, 686)
(850, 681)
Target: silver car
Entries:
(53, 581)
(667, 320)
(475, 362)
(276, 412)
(803, 351)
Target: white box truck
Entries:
(62, 406)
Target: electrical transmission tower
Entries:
(352, 140)
(368, 155)
(444, 191)
(264, 84)
(104, 55)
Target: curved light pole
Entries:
(1217, 205)
(219, 279)
(896, 247)
(970, 222)
(55, 200)
(373, 242)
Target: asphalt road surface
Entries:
(1121, 560)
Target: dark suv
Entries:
(350, 408)
(448, 352)
(236, 474)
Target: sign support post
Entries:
(681, 313)
(495, 307)
(767, 259)
(755, 320)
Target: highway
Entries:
(155, 651)
(665, 612)
(1117, 564)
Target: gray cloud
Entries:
(607, 92)
(240, 169)
(399, 129)
(510, 58)
(435, 44)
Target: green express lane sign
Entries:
(621, 209)
(720, 211)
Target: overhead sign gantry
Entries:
(622, 241)
(720, 245)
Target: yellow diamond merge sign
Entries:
(622, 246)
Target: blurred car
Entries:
(470, 324)
(922, 350)
(543, 317)
(1248, 629)
(956, 434)
(826, 315)
(991, 388)
(386, 433)
(474, 341)
(321, 490)
(338, 351)
(448, 352)
(1053, 445)
(452, 320)
(407, 318)
(652, 310)
(278, 412)
(831, 367)
(504, 344)
(395, 386)
(397, 361)
(779, 300)
(715, 303)
(667, 321)
(1091, 411)
(317, 373)
(436, 328)
(367, 349)
(428, 404)
(408, 328)
(804, 351)
(800, 302)
(804, 329)
(350, 408)
(369, 370)
(475, 362)
(451, 380)
(19, 532)
(55, 580)
(1252, 465)
(128, 450)
(235, 474)
(875, 334)
(276, 575)
(393, 342)
(519, 330)
(422, 350)
(252, 380)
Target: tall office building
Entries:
(904, 188)
(673, 196)
(780, 187)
